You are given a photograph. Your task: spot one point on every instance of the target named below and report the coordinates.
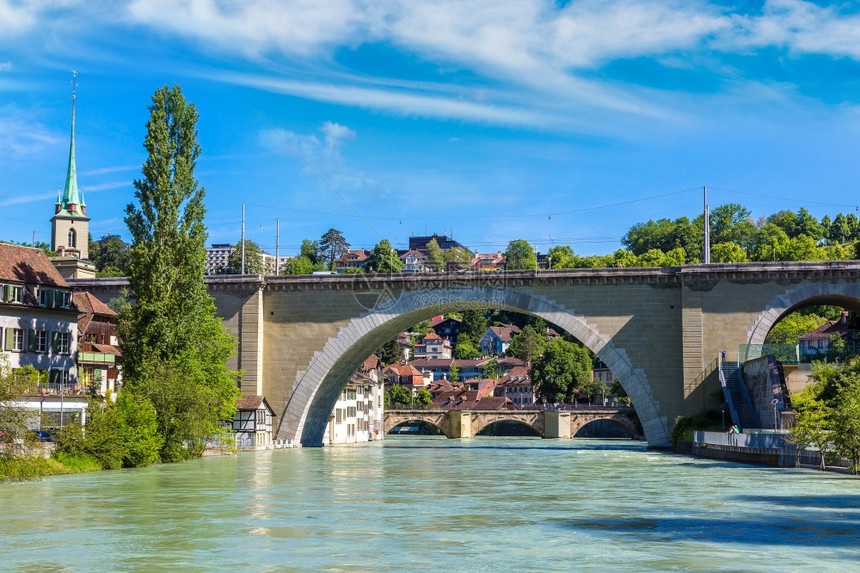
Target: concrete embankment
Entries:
(762, 448)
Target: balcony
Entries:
(49, 389)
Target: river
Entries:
(431, 504)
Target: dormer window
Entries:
(45, 297)
(12, 293)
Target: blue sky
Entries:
(557, 122)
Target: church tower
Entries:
(70, 224)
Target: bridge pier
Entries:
(460, 424)
(556, 424)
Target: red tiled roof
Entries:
(370, 363)
(253, 403)
(28, 265)
(446, 362)
(432, 336)
(505, 332)
(829, 328)
(469, 400)
(440, 319)
(86, 302)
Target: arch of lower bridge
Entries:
(623, 421)
(533, 420)
(438, 420)
(845, 295)
(316, 389)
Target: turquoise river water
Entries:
(430, 504)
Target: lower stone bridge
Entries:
(547, 424)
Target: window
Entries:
(61, 342)
(46, 297)
(41, 340)
(65, 299)
(87, 376)
(14, 340)
(338, 416)
(12, 293)
(73, 238)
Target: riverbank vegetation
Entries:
(177, 389)
(827, 412)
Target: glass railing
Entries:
(785, 353)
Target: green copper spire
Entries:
(71, 200)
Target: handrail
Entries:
(727, 396)
(747, 398)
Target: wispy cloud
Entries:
(309, 146)
(5, 66)
(106, 170)
(21, 135)
(21, 199)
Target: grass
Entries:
(33, 467)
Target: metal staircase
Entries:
(737, 396)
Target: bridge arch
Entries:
(436, 421)
(532, 420)
(622, 422)
(846, 295)
(317, 388)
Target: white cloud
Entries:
(802, 27)
(309, 146)
(23, 136)
(5, 66)
(297, 27)
(336, 133)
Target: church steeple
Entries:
(70, 224)
(71, 200)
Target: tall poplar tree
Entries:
(175, 349)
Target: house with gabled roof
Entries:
(353, 259)
(497, 339)
(432, 346)
(99, 353)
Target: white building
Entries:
(218, 257)
(433, 346)
(39, 328)
(358, 414)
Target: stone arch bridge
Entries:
(658, 329)
(547, 424)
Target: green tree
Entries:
(175, 349)
(846, 419)
(617, 390)
(253, 259)
(474, 325)
(435, 256)
(812, 427)
(110, 256)
(454, 373)
(560, 370)
(331, 246)
(492, 369)
(423, 397)
(389, 353)
(14, 420)
(520, 255)
(383, 258)
(728, 253)
(459, 257)
(732, 224)
(311, 250)
(465, 351)
(528, 344)
(792, 327)
(298, 266)
(398, 395)
(562, 257)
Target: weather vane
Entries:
(74, 82)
